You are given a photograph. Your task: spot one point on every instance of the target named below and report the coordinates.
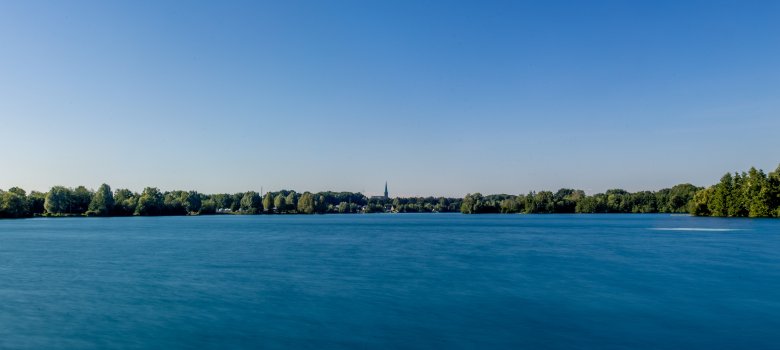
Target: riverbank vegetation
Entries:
(747, 194)
(80, 201)
(669, 200)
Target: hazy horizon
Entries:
(436, 98)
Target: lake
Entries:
(390, 281)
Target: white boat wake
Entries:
(704, 229)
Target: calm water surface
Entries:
(431, 281)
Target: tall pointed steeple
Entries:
(386, 196)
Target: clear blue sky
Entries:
(435, 97)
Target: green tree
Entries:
(222, 200)
(192, 202)
(150, 203)
(510, 205)
(320, 205)
(737, 203)
(306, 203)
(565, 200)
(251, 203)
(756, 193)
(58, 201)
(268, 201)
(208, 207)
(280, 203)
(125, 202)
(173, 203)
(443, 205)
(471, 204)
(36, 201)
(774, 191)
(618, 201)
(753, 194)
(596, 203)
(679, 198)
(540, 203)
(700, 205)
(80, 199)
(14, 204)
(235, 201)
(102, 202)
(291, 201)
(721, 196)
(644, 202)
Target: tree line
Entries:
(80, 201)
(746, 194)
(566, 200)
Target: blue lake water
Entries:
(428, 281)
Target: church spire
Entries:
(386, 197)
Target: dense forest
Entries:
(747, 194)
(668, 200)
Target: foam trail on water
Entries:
(705, 229)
